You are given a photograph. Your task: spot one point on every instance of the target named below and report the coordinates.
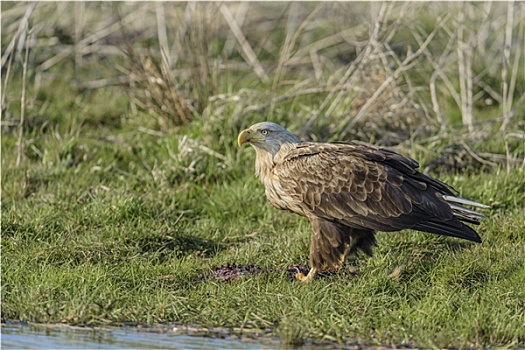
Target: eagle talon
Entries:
(308, 278)
(300, 276)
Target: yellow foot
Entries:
(308, 278)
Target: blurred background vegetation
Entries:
(381, 72)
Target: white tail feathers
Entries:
(464, 201)
(464, 213)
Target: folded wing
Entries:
(365, 187)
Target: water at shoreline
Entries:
(24, 336)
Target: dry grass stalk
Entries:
(293, 32)
(9, 54)
(23, 102)
(153, 89)
(405, 65)
(506, 63)
(517, 56)
(162, 33)
(438, 72)
(19, 37)
(464, 52)
(291, 96)
(349, 78)
(508, 89)
(368, 93)
(90, 44)
(247, 50)
(197, 31)
(6, 81)
(384, 45)
(392, 115)
(345, 36)
(240, 16)
(79, 29)
(509, 158)
(369, 50)
(289, 43)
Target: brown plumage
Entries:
(350, 190)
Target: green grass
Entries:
(107, 234)
(109, 220)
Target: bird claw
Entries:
(300, 276)
(308, 278)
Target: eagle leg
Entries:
(308, 278)
(329, 246)
(331, 243)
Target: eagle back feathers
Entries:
(358, 185)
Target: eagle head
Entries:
(266, 136)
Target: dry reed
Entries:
(174, 70)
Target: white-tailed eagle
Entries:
(350, 190)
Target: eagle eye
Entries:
(264, 132)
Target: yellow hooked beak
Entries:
(248, 136)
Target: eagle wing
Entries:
(365, 187)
